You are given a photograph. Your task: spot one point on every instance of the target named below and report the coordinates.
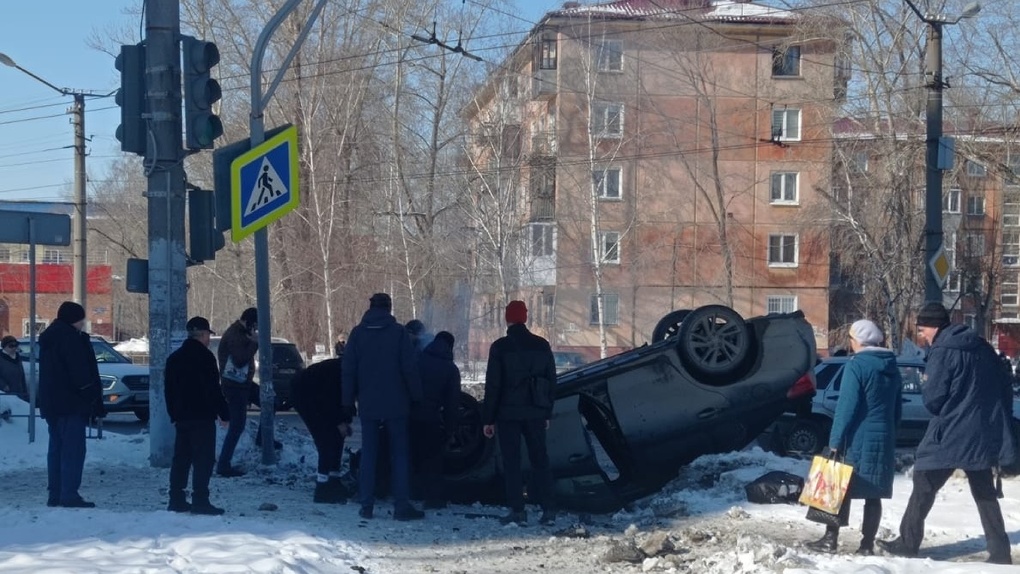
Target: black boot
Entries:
(869, 526)
(201, 505)
(178, 502)
(827, 543)
(331, 492)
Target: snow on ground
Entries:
(699, 523)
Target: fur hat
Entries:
(866, 333)
(380, 301)
(932, 315)
(516, 312)
(70, 312)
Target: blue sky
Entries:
(49, 38)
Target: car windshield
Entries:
(105, 353)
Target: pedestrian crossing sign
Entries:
(264, 184)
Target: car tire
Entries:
(806, 438)
(669, 326)
(142, 414)
(715, 344)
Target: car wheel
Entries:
(467, 443)
(806, 437)
(669, 326)
(714, 343)
(142, 414)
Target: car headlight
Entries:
(108, 382)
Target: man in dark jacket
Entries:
(434, 419)
(12, 373)
(193, 401)
(380, 373)
(520, 381)
(969, 430)
(318, 400)
(237, 369)
(70, 393)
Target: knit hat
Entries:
(866, 333)
(932, 315)
(415, 327)
(516, 312)
(70, 312)
(380, 301)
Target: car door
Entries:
(914, 421)
(828, 378)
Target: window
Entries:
(548, 308)
(975, 245)
(1011, 248)
(5, 254)
(975, 169)
(547, 53)
(1010, 289)
(859, 162)
(782, 250)
(786, 125)
(975, 204)
(607, 120)
(54, 256)
(784, 187)
(610, 56)
(951, 201)
(609, 247)
(25, 256)
(781, 304)
(953, 283)
(607, 183)
(1011, 208)
(510, 86)
(542, 240)
(1014, 168)
(786, 61)
(26, 325)
(610, 309)
(970, 320)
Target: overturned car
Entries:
(623, 426)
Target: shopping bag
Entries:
(826, 484)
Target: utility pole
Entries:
(79, 249)
(166, 201)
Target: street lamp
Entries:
(933, 139)
(78, 249)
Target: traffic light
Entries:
(204, 237)
(201, 125)
(133, 130)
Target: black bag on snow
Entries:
(776, 487)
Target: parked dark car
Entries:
(125, 384)
(623, 426)
(287, 362)
(566, 360)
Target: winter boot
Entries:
(203, 506)
(330, 492)
(178, 502)
(827, 543)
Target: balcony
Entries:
(543, 144)
(543, 84)
(543, 207)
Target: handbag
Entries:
(827, 518)
(235, 373)
(826, 484)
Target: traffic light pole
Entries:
(166, 200)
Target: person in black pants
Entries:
(236, 359)
(967, 392)
(317, 399)
(435, 417)
(193, 401)
(519, 388)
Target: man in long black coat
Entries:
(434, 419)
(316, 393)
(193, 401)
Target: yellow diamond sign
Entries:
(940, 266)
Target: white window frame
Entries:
(1011, 248)
(951, 202)
(975, 169)
(610, 307)
(790, 62)
(547, 52)
(786, 184)
(953, 282)
(609, 247)
(606, 180)
(975, 246)
(976, 204)
(788, 121)
(543, 239)
(780, 304)
(1009, 289)
(5, 254)
(782, 239)
(602, 116)
(609, 56)
(1011, 207)
(54, 256)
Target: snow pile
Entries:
(133, 346)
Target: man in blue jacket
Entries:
(435, 417)
(966, 392)
(380, 373)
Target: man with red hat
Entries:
(520, 381)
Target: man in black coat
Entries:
(12, 373)
(967, 394)
(193, 401)
(520, 381)
(435, 417)
(317, 399)
(70, 393)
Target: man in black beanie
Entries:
(70, 393)
(968, 395)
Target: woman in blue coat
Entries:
(864, 431)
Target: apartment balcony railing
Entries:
(543, 207)
(543, 84)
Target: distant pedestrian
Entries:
(316, 393)
(435, 418)
(966, 393)
(194, 401)
(380, 374)
(70, 394)
(864, 430)
(236, 359)
(12, 372)
(520, 384)
(338, 348)
(420, 335)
